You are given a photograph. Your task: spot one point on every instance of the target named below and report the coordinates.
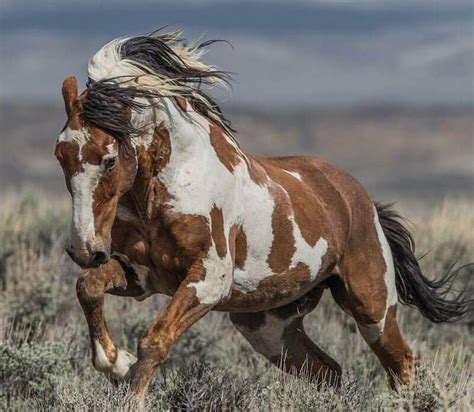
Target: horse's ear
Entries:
(70, 94)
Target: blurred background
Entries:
(382, 88)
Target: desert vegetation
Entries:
(45, 353)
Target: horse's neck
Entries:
(178, 142)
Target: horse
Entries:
(165, 201)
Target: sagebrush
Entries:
(45, 353)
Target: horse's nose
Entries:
(97, 258)
(92, 260)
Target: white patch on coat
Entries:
(80, 136)
(259, 206)
(217, 282)
(117, 370)
(111, 151)
(294, 174)
(389, 276)
(371, 333)
(83, 185)
(311, 256)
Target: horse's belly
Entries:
(255, 291)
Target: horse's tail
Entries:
(429, 296)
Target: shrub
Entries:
(30, 370)
(200, 387)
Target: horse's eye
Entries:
(109, 163)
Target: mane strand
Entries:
(150, 67)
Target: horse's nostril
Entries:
(98, 258)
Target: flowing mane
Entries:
(149, 67)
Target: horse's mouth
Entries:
(97, 259)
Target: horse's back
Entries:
(328, 190)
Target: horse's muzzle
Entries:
(96, 258)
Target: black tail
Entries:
(429, 296)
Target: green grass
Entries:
(45, 354)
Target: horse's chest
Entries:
(179, 240)
(151, 253)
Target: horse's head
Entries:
(98, 169)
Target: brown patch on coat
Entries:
(238, 246)
(363, 267)
(217, 230)
(275, 290)
(283, 245)
(226, 153)
(191, 233)
(178, 241)
(256, 172)
(182, 103)
(303, 201)
(147, 185)
(321, 206)
(161, 148)
(67, 154)
(393, 352)
(95, 149)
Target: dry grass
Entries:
(45, 355)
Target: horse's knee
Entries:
(155, 345)
(370, 318)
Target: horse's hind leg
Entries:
(365, 288)
(279, 335)
(91, 288)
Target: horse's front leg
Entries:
(91, 287)
(198, 293)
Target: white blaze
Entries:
(83, 185)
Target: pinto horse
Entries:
(165, 201)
